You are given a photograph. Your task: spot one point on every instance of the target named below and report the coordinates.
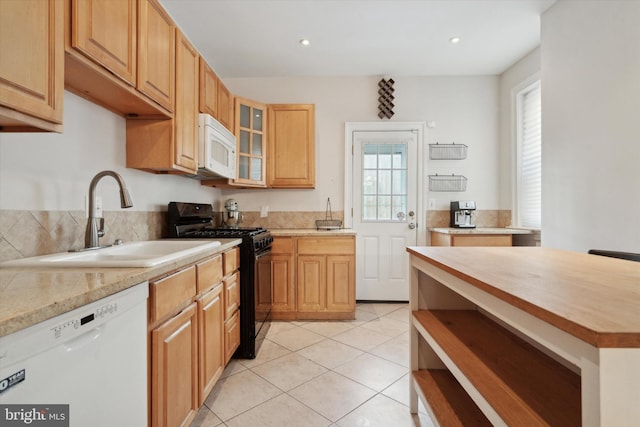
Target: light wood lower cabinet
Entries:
(191, 338)
(211, 340)
(283, 280)
(313, 277)
(174, 361)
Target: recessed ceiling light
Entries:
(305, 42)
(455, 40)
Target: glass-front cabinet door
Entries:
(251, 134)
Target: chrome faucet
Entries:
(93, 232)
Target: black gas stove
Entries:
(197, 221)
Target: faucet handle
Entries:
(101, 228)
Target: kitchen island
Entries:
(525, 336)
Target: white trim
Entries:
(349, 129)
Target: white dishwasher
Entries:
(93, 359)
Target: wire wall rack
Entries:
(451, 151)
(447, 183)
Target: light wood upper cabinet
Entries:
(186, 115)
(208, 89)
(291, 148)
(250, 131)
(31, 65)
(105, 31)
(156, 53)
(170, 146)
(225, 106)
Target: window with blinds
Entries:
(529, 157)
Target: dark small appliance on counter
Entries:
(461, 213)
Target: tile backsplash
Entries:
(32, 233)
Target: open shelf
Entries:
(522, 385)
(448, 401)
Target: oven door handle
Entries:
(263, 253)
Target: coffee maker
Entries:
(461, 212)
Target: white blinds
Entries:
(529, 161)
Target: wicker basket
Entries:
(328, 223)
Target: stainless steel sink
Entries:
(134, 254)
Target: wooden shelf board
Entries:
(523, 385)
(448, 401)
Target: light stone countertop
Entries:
(32, 295)
(310, 232)
(479, 230)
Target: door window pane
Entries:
(243, 167)
(256, 148)
(245, 116)
(256, 169)
(244, 141)
(370, 182)
(384, 182)
(257, 119)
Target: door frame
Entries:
(421, 129)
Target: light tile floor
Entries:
(334, 373)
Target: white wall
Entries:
(590, 54)
(52, 171)
(465, 110)
(41, 171)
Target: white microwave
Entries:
(216, 149)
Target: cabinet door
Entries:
(283, 284)
(105, 31)
(225, 106)
(231, 336)
(211, 340)
(250, 124)
(208, 90)
(186, 111)
(311, 283)
(156, 53)
(341, 290)
(231, 295)
(291, 149)
(31, 64)
(174, 370)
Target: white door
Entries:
(385, 211)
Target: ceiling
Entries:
(260, 38)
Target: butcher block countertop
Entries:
(479, 230)
(32, 295)
(310, 232)
(594, 298)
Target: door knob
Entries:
(412, 226)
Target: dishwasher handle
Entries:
(83, 340)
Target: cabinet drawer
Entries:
(231, 261)
(171, 293)
(282, 245)
(326, 245)
(209, 273)
(231, 336)
(231, 295)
